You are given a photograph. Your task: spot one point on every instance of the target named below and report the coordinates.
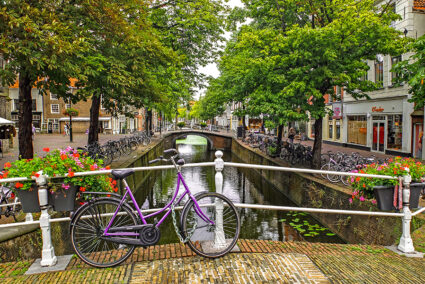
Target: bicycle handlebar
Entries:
(168, 151)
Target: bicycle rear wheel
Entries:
(206, 239)
(87, 227)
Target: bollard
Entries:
(48, 257)
(220, 239)
(406, 243)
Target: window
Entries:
(331, 129)
(338, 129)
(394, 131)
(54, 108)
(379, 73)
(394, 61)
(53, 96)
(101, 102)
(67, 106)
(15, 104)
(15, 117)
(34, 105)
(357, 129)
(105, 124)
(36, 117)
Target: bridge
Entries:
(215, 140)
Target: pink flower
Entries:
(65, 186)
(362, 198)
(373, 201)
(350, 200)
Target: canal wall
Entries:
(306, 190)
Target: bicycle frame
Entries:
(167, 207)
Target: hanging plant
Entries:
(71, 112)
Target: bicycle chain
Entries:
(173, 214)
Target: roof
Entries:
(419, 5)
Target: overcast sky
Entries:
(211, 69)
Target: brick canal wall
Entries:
(307, 190)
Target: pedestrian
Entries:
(291, 135)
(421, 134)
(66, 129)
(33, 131)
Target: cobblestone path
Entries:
(232, 268)
(259, 262)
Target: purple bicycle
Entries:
(209, 223)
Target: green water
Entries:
(193, 140)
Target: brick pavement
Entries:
(260, 261)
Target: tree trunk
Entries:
(175, 124)
(317, 146)
(279, 138)
(243, 126)
(94, 120)
(146, 121)
(150, 121)
(26, 149)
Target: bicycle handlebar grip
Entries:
(153, 161)
(171, 150)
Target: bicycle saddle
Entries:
(180, 162)
(121, 174)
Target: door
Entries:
(379, 136)
(417, 129)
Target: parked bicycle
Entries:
(9, 203)
(209, 222)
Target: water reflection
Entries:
(241, 186)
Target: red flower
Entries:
(76, 155)
(108, 167)
(63, 157)
(82, 189)
(7, 165)
(46, 149)
(36, 175)
(92, 168)
(114, 182)
(70, 174)
(12, 195)
(115, 189)
(108, 195)
(18, 185)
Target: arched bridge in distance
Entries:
(215, 140)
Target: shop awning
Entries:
(417, 113)
(4, 121)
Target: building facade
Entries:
(386, 122)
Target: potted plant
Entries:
(383, 191)
(60, 166)
(203, 125)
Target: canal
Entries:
(241, 186)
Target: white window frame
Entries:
(51, 108)
(101, 103)
(67, 106)
(53, 97)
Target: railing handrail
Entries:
(207, 164)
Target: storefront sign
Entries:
(336, 108)
(377, 109)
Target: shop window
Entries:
(331, 129)
(357, 129)
(338, 130)
(379, 73)
(394, 131)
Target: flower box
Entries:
(63, 199)
(29, 200)
(384, 195)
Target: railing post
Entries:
(220, 239)
(406, 243)
(48, 257)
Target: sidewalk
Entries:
(259, 261)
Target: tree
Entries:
(295, 52)
(37, 42)
(412, 71)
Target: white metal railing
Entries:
(49, 258)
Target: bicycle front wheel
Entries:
(215, 236)
(87, 227)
